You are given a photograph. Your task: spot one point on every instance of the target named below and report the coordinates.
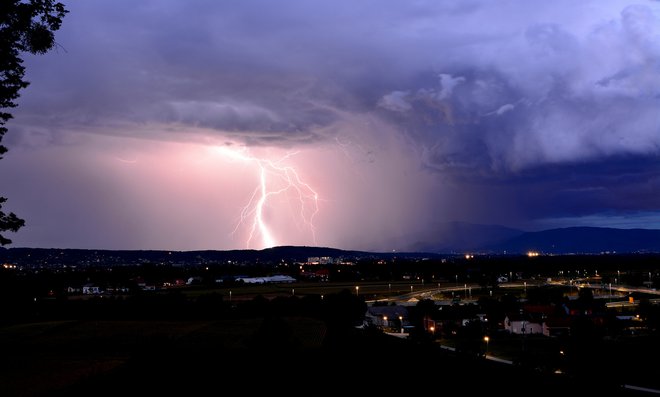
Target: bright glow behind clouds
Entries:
(127, 193)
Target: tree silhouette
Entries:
(25, 26)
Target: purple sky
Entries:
(354, 124)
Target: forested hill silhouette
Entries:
(91, 257)
(573, 240)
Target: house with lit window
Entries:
(522, 324)
(387, 317)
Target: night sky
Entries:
(185, 125)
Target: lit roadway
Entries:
(586, 283)
(465, 290)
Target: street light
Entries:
(401, 322)
(357, 290)
(486, 339)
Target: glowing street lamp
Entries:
(357, 290)
(401, 322)
(486, 339)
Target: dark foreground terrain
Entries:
(293, 356)
(300, 339)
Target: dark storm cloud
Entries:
(237, 68)
(564, 119)
(282, 69)
(505, 85)
(624, 185)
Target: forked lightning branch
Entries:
(277, 180)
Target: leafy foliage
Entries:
(25, 26)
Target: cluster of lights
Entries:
(532, 254)
(9, 266)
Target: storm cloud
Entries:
(400, 115)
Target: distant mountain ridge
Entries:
(449, 239)
(461, 237)
(582, 240)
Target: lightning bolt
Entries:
(276, 179)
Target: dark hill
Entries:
(49, 257)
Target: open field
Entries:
(44, 358)
(371, 290)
